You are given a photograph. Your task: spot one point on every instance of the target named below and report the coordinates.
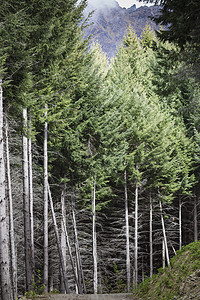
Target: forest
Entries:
(99, 159)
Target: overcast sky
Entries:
(111, 3)
(129, 3)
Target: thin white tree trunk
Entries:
(62, 263)
(151, 236)
(163, 253)
(79, 290)
(164, 235)
(11, 219)
(136, 234)
(63, 238)
(31, 193)
(77, 284)
(94, 239)
(79, 268)
(195, 220)
(180, 224)
(71, 260)
(46, 254)
(128, 266)
(27, 223)
(5, 286)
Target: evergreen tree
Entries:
(182, 21)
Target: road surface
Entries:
(86, 297)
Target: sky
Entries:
(112, 3)
(129, 3)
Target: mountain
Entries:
(110, 22)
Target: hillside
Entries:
(111, 22)
(180, 281)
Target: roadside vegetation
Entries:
(176, 281)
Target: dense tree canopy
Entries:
(181, 25)
(112, 146)
(182, 19)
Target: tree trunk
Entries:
(180, 224)
(163, 253)
(195, 220)
(151, 236)
(128, 267)
(70, 255)
(79, 268)
(11, 220)
(164, 235)
(46, 256)
(5, 287)
(71, 259)
(31, 194)
(63, 238)
(94, 239)
(62, 263)
(27, 223)
(136, 234)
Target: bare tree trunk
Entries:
(11, 220)
(72, 262)
(164, 235)
(46, 254)
(31, 194)
(136, 234)
(27, 223)
(195, 220)
(79, 268)
(70, 254)
(163, 253)
(5, 287)
(58, 244)
(94, 238)
(180, 224)
(63, 238)
(128, 266)
(151, 236)
(51, 282)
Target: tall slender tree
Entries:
(26, 205)
(11, 218)
(46, 250)
(6, 288)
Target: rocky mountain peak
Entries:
(110, 22)
(131, 9)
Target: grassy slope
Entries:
(176, 281)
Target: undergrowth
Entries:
(168, 282)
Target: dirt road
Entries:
(86, 297)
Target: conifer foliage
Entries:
(99, 155)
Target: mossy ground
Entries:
(170, 282)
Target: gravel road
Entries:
(86, 297)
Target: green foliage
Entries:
(133, 115)
(182, 20)
(118, 285)
(37, 287)
(148, 37)
(154, 142)
(168, 282)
